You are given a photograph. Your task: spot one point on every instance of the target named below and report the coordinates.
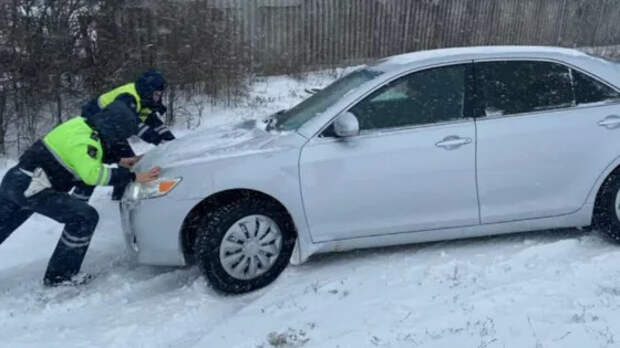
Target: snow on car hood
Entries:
(223, 141)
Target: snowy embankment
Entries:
(542, 289)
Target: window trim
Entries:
(394, 131)
(595, 78)
(467, 107)
(477, 109)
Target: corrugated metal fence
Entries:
(289, 35)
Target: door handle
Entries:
(610, 122)
(452, 142)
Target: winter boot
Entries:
(76, 280)
(67, 258)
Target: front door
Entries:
(412, 168)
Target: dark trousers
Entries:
(80, 220)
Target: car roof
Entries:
(394, 66)
(401, 61)
(603, 69)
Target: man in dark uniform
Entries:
(146, 96)
(147, 91)
(72, 152)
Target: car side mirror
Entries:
(346, 125)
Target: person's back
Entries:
(72, 152)
(146, 92)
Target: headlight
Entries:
(153, 189)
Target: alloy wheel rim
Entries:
(250, 247)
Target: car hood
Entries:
(210, 144)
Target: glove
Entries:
(168, 136)
(160, 108)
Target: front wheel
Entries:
(244, 245)
(607, 208)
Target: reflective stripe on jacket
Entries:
(130, 88)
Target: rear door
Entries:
(545, 133)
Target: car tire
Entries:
(236, 244)
(606, 217)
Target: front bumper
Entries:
(152, 230)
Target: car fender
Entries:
(273, 173)
(591, 199)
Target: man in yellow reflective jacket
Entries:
(145, 99)
(74, 152)
(147, 92)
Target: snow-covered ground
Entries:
(543, 289)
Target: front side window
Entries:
(514, 87)
(589, 90)
(429, 96)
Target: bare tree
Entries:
(55, 55)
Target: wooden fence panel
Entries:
(280, 35)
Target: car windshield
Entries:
(295, 117)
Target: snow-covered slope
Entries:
(543, 289)
(547, 289)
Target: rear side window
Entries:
(589, 90)
(514, 87)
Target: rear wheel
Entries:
(607, 208)
(244, 245)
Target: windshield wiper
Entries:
(272, 121)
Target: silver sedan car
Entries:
(426, 146)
